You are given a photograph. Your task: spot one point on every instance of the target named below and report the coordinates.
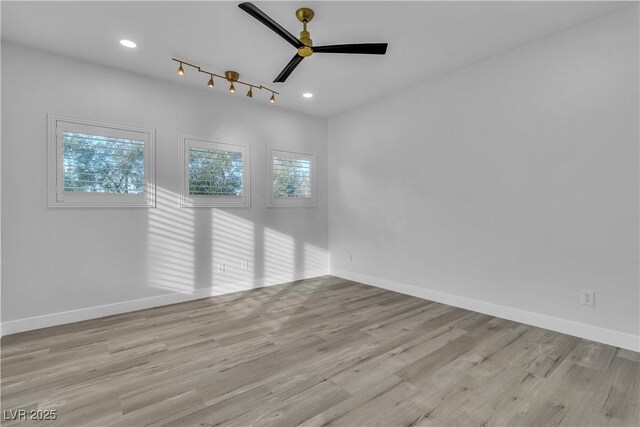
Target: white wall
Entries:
(506, 187)
(59, 259)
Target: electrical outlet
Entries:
(222, 268)
(587, 298)
(245, 265)
(350, 258)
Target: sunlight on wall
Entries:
(233, 265)
(315, 258)
(171, 245)
(279, 256)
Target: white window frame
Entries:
(290, 202)
(188, 200)
(57, 197)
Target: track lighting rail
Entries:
(231, 76)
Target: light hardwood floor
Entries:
(317, 352)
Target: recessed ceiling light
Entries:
(128, 43)
(307, 95)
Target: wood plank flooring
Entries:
(316, 352)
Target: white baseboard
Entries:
(61, 318)
(569, 327)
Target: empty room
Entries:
(278, 213)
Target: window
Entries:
(292, 179)
(215, 173)
(98, 164)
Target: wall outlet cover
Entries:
(587, 298)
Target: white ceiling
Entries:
(425, 39)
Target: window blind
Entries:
(101, 164)
(215, 172)
(291, 177)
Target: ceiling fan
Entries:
(304, 44)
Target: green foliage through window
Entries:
(215, 172)
(101, 164)
(291, 177)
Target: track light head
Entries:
(180, 70)
(232, 89)
(273, 98)
(250, 93)
(210, 84)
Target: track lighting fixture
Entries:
(231, 76)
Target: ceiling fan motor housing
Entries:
(305, 50)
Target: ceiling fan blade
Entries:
(362, 48)
(289, 68)
(252, 10)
